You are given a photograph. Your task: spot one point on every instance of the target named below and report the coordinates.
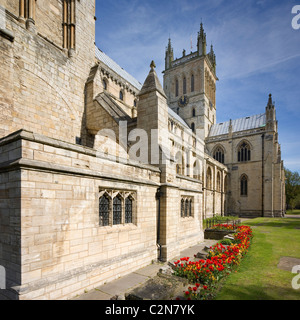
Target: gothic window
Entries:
(194, 112)
(244, 185)
(117, 210)
(184, 85)
(179, 163)
(186, 208)
(196, 170)
(219, 155)
(244, 153)
(104, 211)
(182, 208)
(104, 83)
(121, 95)
(193, 126)
(135, 103)
(176, 88)
(128, 210)
(192, 83)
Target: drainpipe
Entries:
(262, 175)
(158, 196)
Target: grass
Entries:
(258, 277)
(295, 211)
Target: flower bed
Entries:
(221, 261)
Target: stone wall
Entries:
(190, 230)
(52, 244)
(265, 181)
(43, 87)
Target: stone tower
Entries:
(190, 85)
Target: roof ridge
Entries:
(258, 114)
(114, 66)
(241, 124)
(112, 107)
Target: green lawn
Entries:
(295, 211)
(258, 277)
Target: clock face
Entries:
(183, 101)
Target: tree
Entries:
(292, 188)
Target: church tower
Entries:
(190, 85)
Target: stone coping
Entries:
(35, 137)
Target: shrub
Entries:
(226, 242)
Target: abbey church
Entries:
(100, 174)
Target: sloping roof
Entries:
(246, 123)
(112, 107)
(178, 118)
(125, 75)
(117, 69)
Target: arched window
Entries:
(244, 185)
(208, 178)
(117, 210)
(179, 163)
(121, 95)
(193, 126)
(244, 153)
(192, 83)
(104, 211)
(104, 83)
(186, 208)
(190, 207)
(128, 210)
(219, 154)
(182, 208)
(176, 88)
(194, 112)
(196, 170)
(135, 103)
(184, 85)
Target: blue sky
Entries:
(257, 50)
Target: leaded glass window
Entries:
(244, 185)
(117, 210)
(104, 211)
(244, 153)
(128, 210)
(186, 208)
(182, 208)
(219, 155)
(104, 83)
